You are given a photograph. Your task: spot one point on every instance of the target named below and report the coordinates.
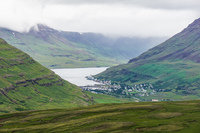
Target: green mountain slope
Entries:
(60, 49)
(27, 85)
(171, 68)
(159, 117)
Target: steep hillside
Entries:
(158, 117)
(170, 70)
(27, 85)
(184, 46)
(60, 49)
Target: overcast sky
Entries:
(142, 18)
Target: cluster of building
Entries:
(106, 87)
(123, 91)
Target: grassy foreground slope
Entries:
(179, 117)
(171, 67)
(27, 85)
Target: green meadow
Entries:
(147, 117)
(102, 98)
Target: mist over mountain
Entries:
(172, 67)
(183, 46)
(151, 82)
(61, 49)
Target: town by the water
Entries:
(122, 91)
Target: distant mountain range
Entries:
(172, 68)
(27, 85)
(60, 49)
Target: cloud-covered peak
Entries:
(142, 18)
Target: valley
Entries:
(35, 99)
(61, 49)
(167, 72)
(74, 66)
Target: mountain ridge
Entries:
(185, 35)
(171, 68)
(60, 49)
(27, 85)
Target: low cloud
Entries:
(161, 4)
(142, 18)
(20, 15)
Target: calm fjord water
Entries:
(77, 75)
